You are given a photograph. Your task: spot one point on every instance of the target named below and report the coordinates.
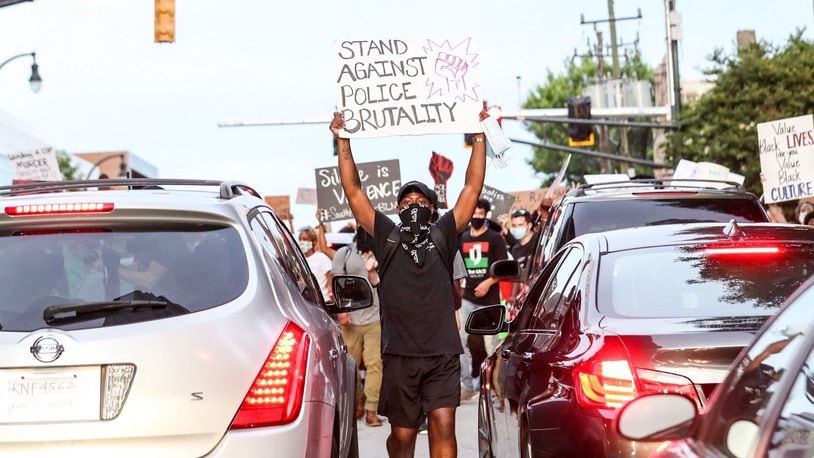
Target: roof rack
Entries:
(227, 189)
(661, 183)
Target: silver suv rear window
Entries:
(180, 268)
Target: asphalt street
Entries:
(372, 440)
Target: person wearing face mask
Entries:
(480, 247)
(521, 229)
(420, 342)
(803, 208)
(361, 329)
(318, 261)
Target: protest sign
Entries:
(35, 165)
(559, 179)
(501, 201)
(529, 200)
(281, 205)
(306, 196)
(441, 170)
(381, 181)
(408, 86)
(787, 158)
(705, 171)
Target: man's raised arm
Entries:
(473, 184)
(349, 176)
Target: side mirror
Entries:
(506, 269)
(658, 417)
(487, 321)
(351, 293)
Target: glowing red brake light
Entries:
(608, 380)
(275, 397)
(605, 384)
(742, 250)
(59, 209)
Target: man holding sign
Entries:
(420, 344)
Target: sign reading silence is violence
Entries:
(408, 87)
(787, 158)
(381, 181)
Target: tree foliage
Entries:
(69, 171)
(753, 85)
(554, 93)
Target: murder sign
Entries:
(408, 87)
(381, 180)
(35, 165)
(787, 158)
(501, 201)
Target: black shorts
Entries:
(415, 385)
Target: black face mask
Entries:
(415, 231)
(415, 217)
(477, 223)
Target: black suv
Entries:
(622, 314)
(608, 206)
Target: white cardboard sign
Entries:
(787, 158)
(408, 86)
(35, 165)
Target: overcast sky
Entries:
(107, 86)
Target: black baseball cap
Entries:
(421, 188)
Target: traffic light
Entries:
(164, 21)
(580, 134)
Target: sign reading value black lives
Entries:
(501, 201)
(381, 180)
(787, 158)
(408, 87)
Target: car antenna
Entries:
(732, 229)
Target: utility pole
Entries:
(673, 24)
(616, 72)
(603, 130)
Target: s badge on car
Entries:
(46, 349)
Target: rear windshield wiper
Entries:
(68, 311)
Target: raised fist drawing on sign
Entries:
(451, 67)
(440, 170)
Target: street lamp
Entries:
(35, 81)
(122, 165)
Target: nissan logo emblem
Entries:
(46, 349)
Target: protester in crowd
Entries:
(803, 208)
(480, 248)
(321, 244)
(318, 261)
(420, 345)
(362, 330)
(521, 229)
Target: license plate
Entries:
(49, 395)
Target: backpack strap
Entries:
(390, 247)
(440, 242)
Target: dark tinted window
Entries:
(607, 215)
(192, 267)
(556, 291)
(297, 266)
(755, 379)
(686, 281)
(794, 433)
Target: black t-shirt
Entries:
(479, 253)
(521, 252)
(416, 303)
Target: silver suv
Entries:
(159, 318)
